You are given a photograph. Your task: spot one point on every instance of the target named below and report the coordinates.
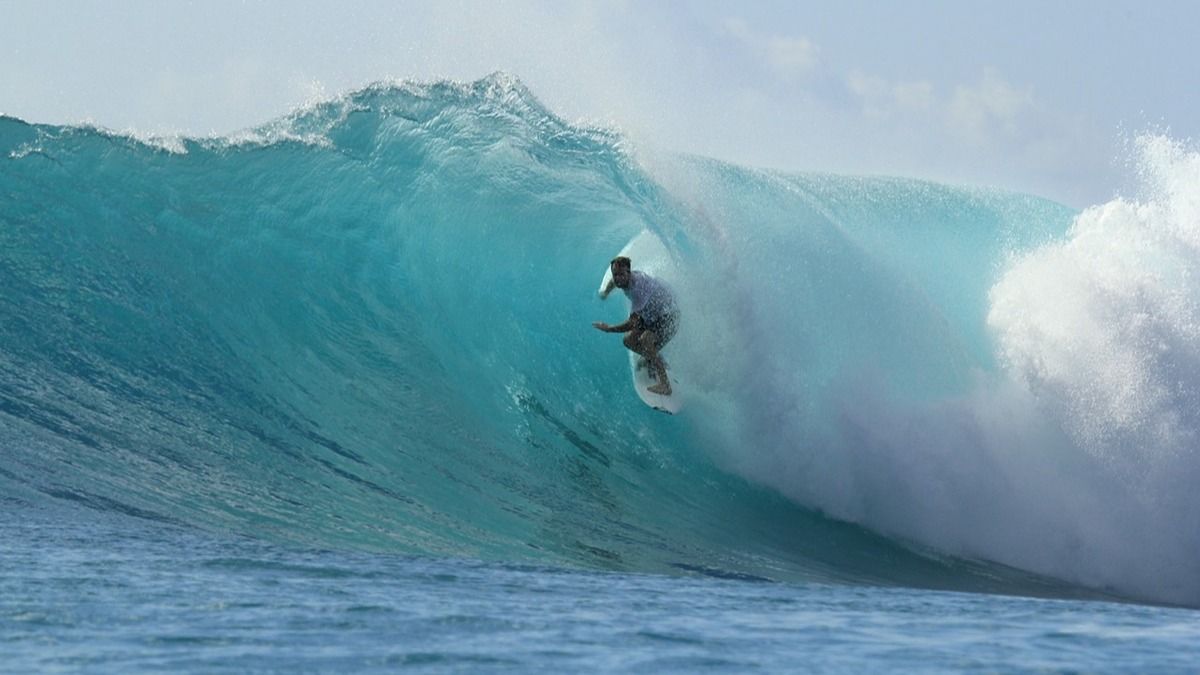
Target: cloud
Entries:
(982, 114)
(787, 56)
(913, 95)
(986, 129)
(881, 98)
(990, 111)
(791, 56)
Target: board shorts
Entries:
(664, 327)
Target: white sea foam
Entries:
(1104, 330)
(1075, 457)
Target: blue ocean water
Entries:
(325, 395)
(113, 594)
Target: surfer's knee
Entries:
(648, 341)
(631, 341)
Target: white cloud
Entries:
(986, 130)
(867, 87)
(990, 111)
(881, 98)
(982, 114)
(913, 95)
(791, 56)
(787, 56)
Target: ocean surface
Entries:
(324, 395)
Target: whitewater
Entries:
(364, 329)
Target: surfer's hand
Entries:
(600, 325)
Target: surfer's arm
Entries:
(619, 328)
(607, 289)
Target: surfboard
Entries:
(648, 254)
(644, 377)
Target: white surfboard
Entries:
(644, 377)
(649, 255)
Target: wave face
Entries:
(367, 325)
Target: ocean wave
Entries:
(367, 324)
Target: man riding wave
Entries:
(653, 317)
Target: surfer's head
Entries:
(621, 267)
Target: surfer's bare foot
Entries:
(662, 389)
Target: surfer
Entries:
(653, 317)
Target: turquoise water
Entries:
(326, 394)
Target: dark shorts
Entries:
(664, 327)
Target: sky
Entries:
(1038, 97)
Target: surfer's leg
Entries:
(648, 343)
(633, 341)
